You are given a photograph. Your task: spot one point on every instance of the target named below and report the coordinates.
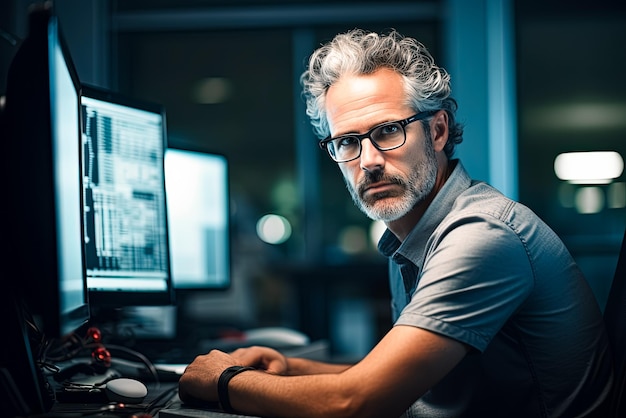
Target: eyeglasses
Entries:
(384, 137)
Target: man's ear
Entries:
(439, 130)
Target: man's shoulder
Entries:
(480, 197)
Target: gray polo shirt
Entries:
(486, 271)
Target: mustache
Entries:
(376, 177)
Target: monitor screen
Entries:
(64, 114)
(43, 296)
(125, 228)
(198, 205)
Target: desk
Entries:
(159, 396)
(177, 410)
(162, 400)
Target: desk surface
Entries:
(175, 409)
(162, 400)
(159, 396)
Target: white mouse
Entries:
(125, 390)
(276, 336)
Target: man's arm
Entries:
(272, 361)
(402, 367)
(301, 366)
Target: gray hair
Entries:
(359, 52)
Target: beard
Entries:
(390, 206)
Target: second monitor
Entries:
(199, 219)
(125, 215)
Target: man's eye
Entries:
(345, 142)
(390, 129)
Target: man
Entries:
(492, 316)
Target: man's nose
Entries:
(371, 158)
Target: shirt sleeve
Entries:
(476, 274)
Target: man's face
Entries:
(385, 185)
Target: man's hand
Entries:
(262, 358)
(199, 381)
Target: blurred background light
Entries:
(567, 193)
(212, 90)
(353, 240)
(589, 167)
(273, 229)
(589, 200)
(575, 116)
(377, 228)
(284, 196)
(616, 195)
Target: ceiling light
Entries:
(589, 167)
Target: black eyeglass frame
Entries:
(403, 123)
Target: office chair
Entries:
(615, 319)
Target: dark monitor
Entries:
(43, 294)
(198, 204)
(44, 180)
(125, 228)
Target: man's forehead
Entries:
(360, 101)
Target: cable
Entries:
(153, 371)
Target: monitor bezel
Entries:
(72, 320)
(121, 299)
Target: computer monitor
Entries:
(198, 205)
(43, 292)
(198, 217)
(42, 155)
(125, 228)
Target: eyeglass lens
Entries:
(384, 137)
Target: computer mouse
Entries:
(125, 390)
(275, 336)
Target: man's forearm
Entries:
(311, 396)
(301, 366)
